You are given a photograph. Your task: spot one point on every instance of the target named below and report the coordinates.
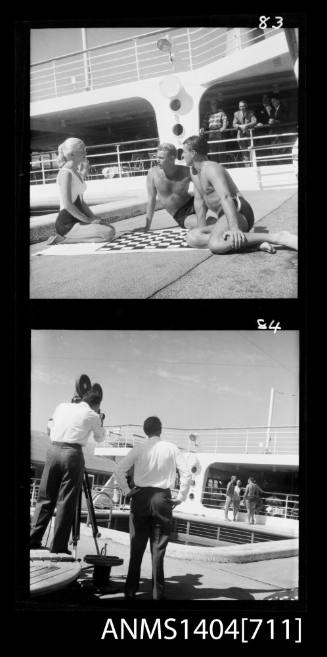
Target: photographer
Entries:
(62, 477)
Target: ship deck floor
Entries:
(188, 580)
(190, 274)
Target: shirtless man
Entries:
(235, 217)
(170, 182)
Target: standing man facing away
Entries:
(235, 216)
(72, 425)
(170, 182)
(251, 496)
(155, 464)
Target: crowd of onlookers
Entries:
(264, 119)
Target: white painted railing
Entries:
(255, 440)
(134, 59)
(282, 505)
(133, 158)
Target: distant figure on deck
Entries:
(237, 499)
(244, 120)
(251, 496)
(229, 494)
(75, 221)
(170, 182)
(215, 187)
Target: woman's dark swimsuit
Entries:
(65, 221)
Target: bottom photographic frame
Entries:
(228, 406)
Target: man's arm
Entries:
(236, 124)
(152, 197)
(252, 122)
(97, 428)
(123, 467)
(217, 177)
(185, 476)
(225, 123)
(199, 205)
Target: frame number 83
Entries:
(264, 20)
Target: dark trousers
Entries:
(60, 486)
(150, 518)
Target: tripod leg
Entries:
(76, 524)
(91, 512)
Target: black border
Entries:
(87, 625)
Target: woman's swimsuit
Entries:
(65, 221)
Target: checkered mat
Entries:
(164, 239)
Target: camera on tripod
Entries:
(83, 385)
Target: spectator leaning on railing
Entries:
(215, 123)
(244, 120)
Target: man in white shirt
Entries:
(72, 425)
(155, 464)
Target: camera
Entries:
(83, 385)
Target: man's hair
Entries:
(92, 398)
(197, 144)
(243, 101)
(275, 96)
(169, 148)
(152, 426)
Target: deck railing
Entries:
(277, 504)
(256, 440)
(135, 158)
(282, 505)
(139, 58)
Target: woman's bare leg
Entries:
(90, 233)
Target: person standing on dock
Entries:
(72, 425)
(155, 463)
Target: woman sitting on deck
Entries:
(75, 221)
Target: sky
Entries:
(52, 42)
(190, 379)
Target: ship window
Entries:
(178, 129)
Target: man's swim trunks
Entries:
(243, 207)
(65, 221)
(184, 212)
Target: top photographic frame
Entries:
(115, 89)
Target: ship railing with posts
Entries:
(253, 440)
(277, 504)
(262, 146)
(138, 58)
(130, 158)
(110, 497)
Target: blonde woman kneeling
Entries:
(75, 221)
